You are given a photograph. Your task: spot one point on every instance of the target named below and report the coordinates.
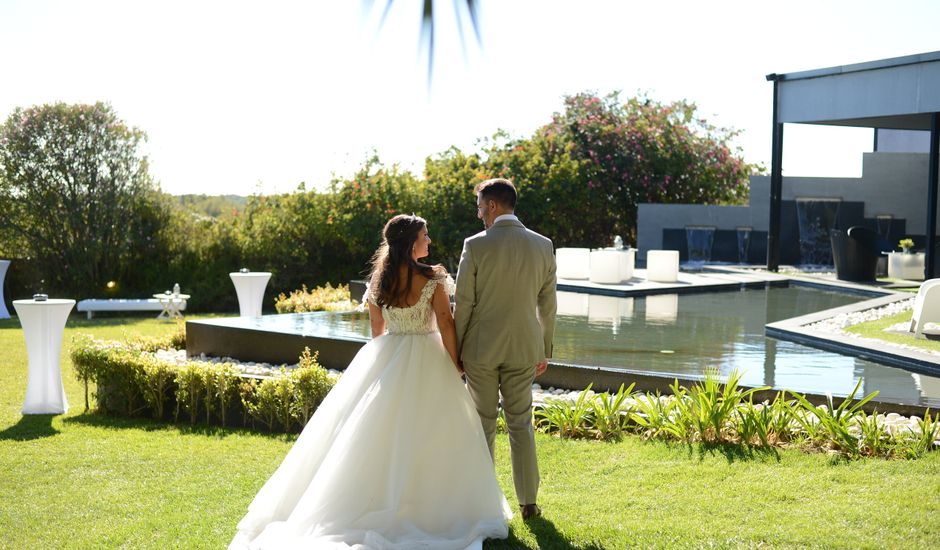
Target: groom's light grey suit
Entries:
(505, 318)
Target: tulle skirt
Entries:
(394, 458)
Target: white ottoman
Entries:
(662, 266)
(611, 266)
(573, 263)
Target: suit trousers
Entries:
(514, 382)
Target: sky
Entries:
(257, 97)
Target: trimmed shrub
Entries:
(131, 381)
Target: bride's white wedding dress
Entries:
(394, 457)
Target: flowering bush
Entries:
(322, 298)
(608, 156)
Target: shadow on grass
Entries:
(733, 452)
(546, 535)
(30, 426)
(98, 420)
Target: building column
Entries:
(776, 185)
(931, 229)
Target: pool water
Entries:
(688, 334)
(683, 335)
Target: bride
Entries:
(395, 456)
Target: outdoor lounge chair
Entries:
(926, 307)
(855, 253)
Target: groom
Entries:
(505, 317)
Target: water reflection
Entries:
(723, 330)
(684, 335)
(609, 311)
(662, 309)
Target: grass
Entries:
(88, 481)
(875, 330)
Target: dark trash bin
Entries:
(855, 253)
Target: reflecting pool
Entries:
(685, 334)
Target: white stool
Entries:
(662, 266)
(612, 266)
(573, 263)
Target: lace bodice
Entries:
(417, 319)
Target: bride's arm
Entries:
(445, 322)
(376, 320)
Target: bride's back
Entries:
(410, 296)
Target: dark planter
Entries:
(855, 253)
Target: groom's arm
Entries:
(465, 296)
(548, 304)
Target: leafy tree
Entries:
(601, 157)
(77, 195)
(448, 203)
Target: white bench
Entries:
(90, 306)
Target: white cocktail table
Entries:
(4, 312)
(43, 323)
(250, 290)
(172, 305)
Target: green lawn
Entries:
(875, 329)
(87, 481)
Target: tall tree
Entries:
(75, 192)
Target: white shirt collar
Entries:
(510, 217)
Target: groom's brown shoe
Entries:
(530, 511)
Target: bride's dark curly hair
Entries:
(398, 239)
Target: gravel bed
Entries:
(838, 324)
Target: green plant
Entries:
(765, 423)
(913, 444)
(190, 390)
(874, 439)
(260, 403)
(653, 415)
(610, 415)
(311, 383)
(156, 383)
(501, 422)
(322, 298)
(835, 422)
(708, 408)
(564, 418)
(226, 383)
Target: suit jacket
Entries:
(505, 311)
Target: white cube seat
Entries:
(611, 266)
(662, 266)
(573, 263)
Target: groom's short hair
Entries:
(500, 190)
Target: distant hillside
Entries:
(212, 205)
